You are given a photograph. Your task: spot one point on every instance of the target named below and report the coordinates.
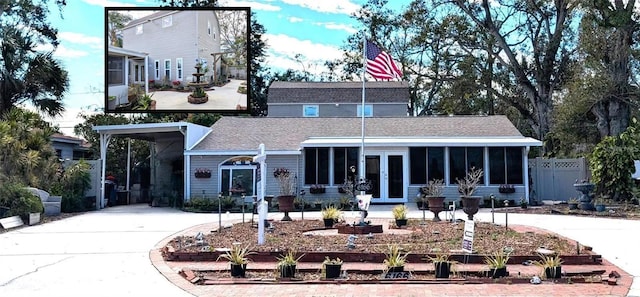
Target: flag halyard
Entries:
(380, 65)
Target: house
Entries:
(163, 48)
(175, 41)
(70, 148)
(400, 154)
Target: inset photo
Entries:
(176, 60)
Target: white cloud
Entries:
(330, 6)
(63, 51)
(333, 26)
(283, 49)
(79, 38)
(295, 19)
(107, 3)
(252, 4)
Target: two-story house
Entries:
(164, 47)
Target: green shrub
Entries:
(19, 200)
(202, 204)
(71, 185)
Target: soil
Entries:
(418, 239)
(621, 211)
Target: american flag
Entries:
(379, 64)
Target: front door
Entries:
(388, 176)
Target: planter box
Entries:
(203, 175)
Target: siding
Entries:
(342, 110)
(210, 186)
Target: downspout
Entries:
(525, 168)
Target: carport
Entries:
(163, 134)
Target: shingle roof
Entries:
(246, 133)
(341, 92)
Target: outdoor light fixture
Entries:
(220, 212)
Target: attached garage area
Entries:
(164, 179)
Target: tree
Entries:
(27, 75)
(257, 74)
(117, 21)
(233, 34)
(544, 33)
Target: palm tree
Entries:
(27, 75)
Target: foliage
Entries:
(497, 260)
(400, 212)
(329, 261)
(202, 204)
(289, 258)
(394, 257)
(26, 154)
(233, 35)
(468, 185)
(257, 72)
(71, 184)
(331, 212)
(439, 258)
(434, 188)
(19, 200)
(612, 163)
(237, 254)
(144, 102)
(285, 181)
(116, 22)
(548, 261)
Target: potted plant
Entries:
(441, 264)
(202, 173)
(466, 188)
(523, 203)
(497, 263)
(395, 259)
(551, 265)
(400, 214)
(317, 189)
(287, 263)
(237, 257)
(433, 192)
(573, 203)
(421, 202)
(331, 267)
(330, 215)
(600, 204)
(286, 197)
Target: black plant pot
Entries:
(443, 269)
(498, 272)
(238, 270)
(332, 270)
(401, 222)
(328, 223)
(288, 271)
(553, 272)
(396, 269)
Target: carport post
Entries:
(104, 144)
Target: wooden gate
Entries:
(553, 179)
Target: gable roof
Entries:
(289, 134)
(152, 16)
(338, 92)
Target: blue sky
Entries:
(316, 29)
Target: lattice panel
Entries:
(566, 164)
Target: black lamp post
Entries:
(302, 193)
(220, 212)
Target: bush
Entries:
(71, 185)
(202, 204)
(19, 200)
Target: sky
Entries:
(313, 28)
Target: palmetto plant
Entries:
(394, 257)
(237, 255)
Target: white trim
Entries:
(238, 152)
(209, 30)
(179, 69)
(165, 68)
(424, 141)
(340, 103)
(156, 65)
(231, 167)
(139, 29)
(167, 21)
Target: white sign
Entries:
(261, 183)
(467, 237)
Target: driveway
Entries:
(224, 98)
(106, 252)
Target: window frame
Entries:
(139, 29)
(231, 167)
(316, 180)
(111, 70)
(167, 21)
(368, 110)
(304, 110)
(167, 69)
(179, 69)
(156, 64)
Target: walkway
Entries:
(225, 98)
(106, 253)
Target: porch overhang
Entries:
(421, 141)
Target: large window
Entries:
(316, 166)
(426, 164)
(115, 69)
(237, 176)
(462, 159)
(179, 68)
(167, 69)
(343, 158)
(505, 165)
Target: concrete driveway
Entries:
(106, 252)
(224, 98)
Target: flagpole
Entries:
(364, 70)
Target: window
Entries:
(167, 69)
(505, 165)
(316, 166)
(368, 110)
(462, 159)
(115, 70)
(209, 27)
(310, 111)
(179, 68)
(139, 29)
(167, 21)
(157, 69)
(426, 164)
(237, 176)
(343, 158)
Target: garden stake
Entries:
(506, 215)
(219, 212)
(493, 198)
(243, 196)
